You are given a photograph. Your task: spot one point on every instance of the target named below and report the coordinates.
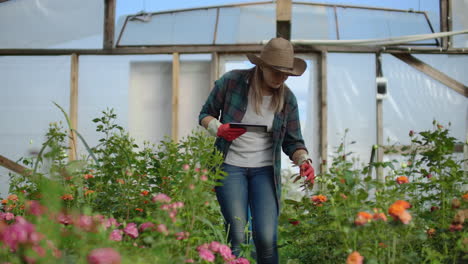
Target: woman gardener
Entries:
(252, 159)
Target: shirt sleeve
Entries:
(215, 102)
(293, 139)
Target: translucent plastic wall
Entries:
(30, 86)
(305, 89)
(460, 22)
(139, 89)
(351, 104)
(415, 99)
(51, 24)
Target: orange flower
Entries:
(67, 197)
(139, 209)
(402, 179)
(465, 197)
(13, 197)
(362, 218)
(343, 196)
(380, 216)
(88, 176)
(318, 199)
(144, 193)
(382, 245)
(430, 232)
(5, 201)
(398, 211)
(88, 192)
(355, 258)
(120, 181)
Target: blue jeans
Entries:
(253, 188)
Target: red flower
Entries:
(354, 258)
(67, 197)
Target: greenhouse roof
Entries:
(253, 23)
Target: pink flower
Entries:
(131, 230)
(147, 225)
(8, 216)
(225, 252)
(214, 246)
(21, 232)
(86, 222)
(111, 222)
(35, 208)
(203, 177)
(162, 229)
(161, 197)
(185, 167)
(104, 256)
(240, 261)
(116, 235)
(64, 219)
(206, 255)
(189, 261)
(182, 235)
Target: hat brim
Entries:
(298, 69)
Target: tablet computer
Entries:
(250, 127)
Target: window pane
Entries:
(247, 24)
(312, 22)
(178, 28)
(368, 24)
(460, 22)
(53, 24)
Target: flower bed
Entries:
(124, 203)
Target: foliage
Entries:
(354, 212)
(155, 204)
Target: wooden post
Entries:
(73, 105)
(175, 95)
(283, 18)
(379, 120)
(323, 112)
(214, 67)
(109, 24)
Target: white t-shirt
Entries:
(254, 149)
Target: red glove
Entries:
(230, 133)
(306, 170)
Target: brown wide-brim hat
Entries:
(278, 53)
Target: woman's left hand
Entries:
(306, 170)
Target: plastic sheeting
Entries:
(51, 24)
(415, 99)
(351, 104)
(30, 85)
(460, 22)
(234, 25)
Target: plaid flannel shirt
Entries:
(228, 102)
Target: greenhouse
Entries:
(102, 151)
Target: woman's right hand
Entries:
(229, 133)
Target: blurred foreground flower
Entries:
(104, 256)
(402, 179)
(355, 258)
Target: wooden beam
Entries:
(109, 24)
(13, 166)
(443, 10)
(283, 18)
(73, 106)
(224, 49)
(175, 95)
(434, 73)
(323, 112)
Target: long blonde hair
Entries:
(277, 99)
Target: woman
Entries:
(252, 160)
